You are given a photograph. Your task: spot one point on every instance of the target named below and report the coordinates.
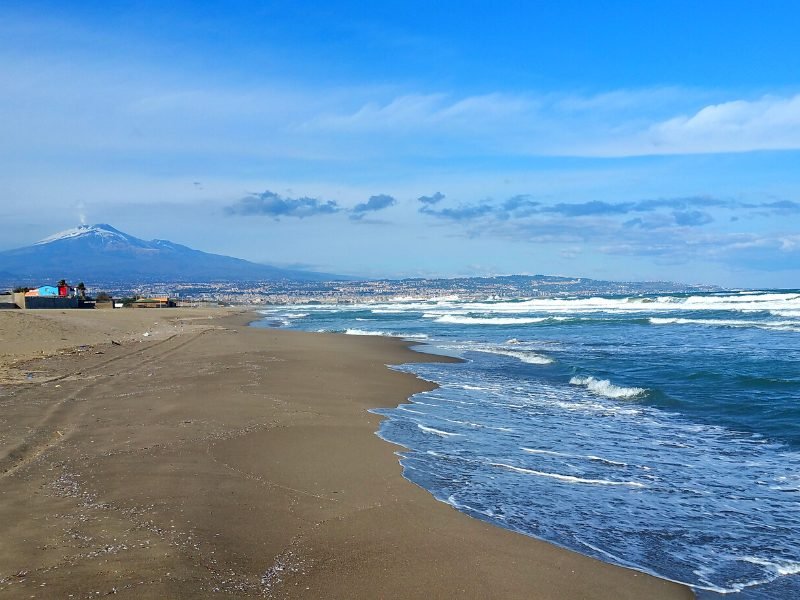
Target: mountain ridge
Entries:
(103, 253)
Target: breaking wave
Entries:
(603, 387)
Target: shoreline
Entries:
(223, 458)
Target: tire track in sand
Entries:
(47, 432)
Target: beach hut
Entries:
(45, 291)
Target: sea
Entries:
(661, 433)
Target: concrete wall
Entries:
(48, 302)
(7, 301)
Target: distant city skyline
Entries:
(614, 140)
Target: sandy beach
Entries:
(179, 453)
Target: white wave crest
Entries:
(591, 457)
(364, 332)
(459, 320)
(783, 567)
(567, 478)
(755, 301)
(774, 325)
(603, 387)
(412, 336)
(548, 452)
(742, 302)
(791, 314)
(438, 431)
(526, 357)
(773, 570)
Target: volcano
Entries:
(103, 253)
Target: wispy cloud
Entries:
(591, 208)
(662, 121)
(134, 109)
(769, 123)
(692, 218)
(375, 203)
(432, 199)
(670, 230)
(517, 206)
(684, 209)
(421, 112)
(270, 204)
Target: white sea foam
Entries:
(459, 320)
(438, 431)
(555, 306)
(779, 567)
(773, 568)
(606, 461)
(414, 336)
(596, 407)
(416, 412)
(548, 452)
(568, 478)
(603, 387)
(451, 500)
(526, 357)
(365, 332)
(475, 387)
(775, 325)
(564, 455)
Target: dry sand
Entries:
(209, 459)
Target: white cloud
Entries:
(766, 124)
(58, 105)
(660, 121)
(432, 113)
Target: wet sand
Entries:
(210, 459)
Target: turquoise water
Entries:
(660, 433)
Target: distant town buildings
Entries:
(348, 292)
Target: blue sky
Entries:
(622, 140)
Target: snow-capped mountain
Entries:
(103, 253)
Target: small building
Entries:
(45, 291)
(50, 296)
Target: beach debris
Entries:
(116, 343)
(146, 334)
(286, 564)
(21, 573)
